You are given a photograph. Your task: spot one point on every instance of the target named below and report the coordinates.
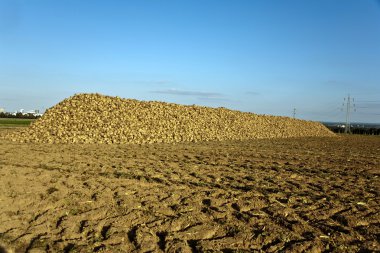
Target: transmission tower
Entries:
(349, 105)
(294, 113)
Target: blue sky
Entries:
(266, 57)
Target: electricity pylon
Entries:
(349, 104)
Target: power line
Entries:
(367, 101)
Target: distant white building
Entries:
(30, 112)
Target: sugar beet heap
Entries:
(94, 118)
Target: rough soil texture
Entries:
(267, 195)
(94, 118)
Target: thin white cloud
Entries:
(215, 99)
(252, 93)
(199, 94)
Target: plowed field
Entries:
(268, 195)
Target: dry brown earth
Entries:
(264, 195)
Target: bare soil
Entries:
(268, 195)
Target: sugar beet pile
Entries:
(94, 118)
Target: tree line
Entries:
(18, 115)
(357, 130)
